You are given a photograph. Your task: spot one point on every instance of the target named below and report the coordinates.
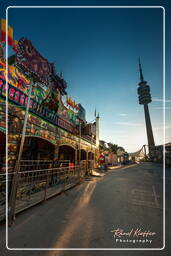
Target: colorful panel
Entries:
(30, 59)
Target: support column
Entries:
(87, 161)
(3, 128)
(96, 157)
(56, 152)
(149, 129)
(145, 152)
(86, 155)
(13, 143)
(144, 99)
(97, 131)
(76, 156)
(56, 155)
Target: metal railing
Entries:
(3, 192)
(35, 186)
(88, 138)
(27, 165)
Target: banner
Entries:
(81, 113)
(3, 33)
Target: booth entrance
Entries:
(90, 156)
(66, 153)
(37, 149)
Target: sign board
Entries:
(90, 129)
(101, 159)
(29, 59)
(81, 113)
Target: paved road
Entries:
(129, 198)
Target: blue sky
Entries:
(97, 50)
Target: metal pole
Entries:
(91, 165)
(79, 155)
(145, 152)
(79, 142)
(149, 129)
(13, 192)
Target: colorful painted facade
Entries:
(54, 126)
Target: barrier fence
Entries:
(35, 185)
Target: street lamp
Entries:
(78, 123)
(79, 142)
(12, 199)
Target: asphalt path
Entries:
(121, 210)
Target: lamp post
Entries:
(13, 193)
(91, 159)
(79, 155)
(145, 151)
(78, 124)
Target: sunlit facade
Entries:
(56, 129)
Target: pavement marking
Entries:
(143, 203)
(155, 197)
(119, 168)
(141, 191)
(129, 166)
(143, 197)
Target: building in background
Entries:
(112, 154)
(158, 154)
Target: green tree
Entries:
(112, 148)
(102, 146)
(121, 149)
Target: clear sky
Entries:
(97, 50)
